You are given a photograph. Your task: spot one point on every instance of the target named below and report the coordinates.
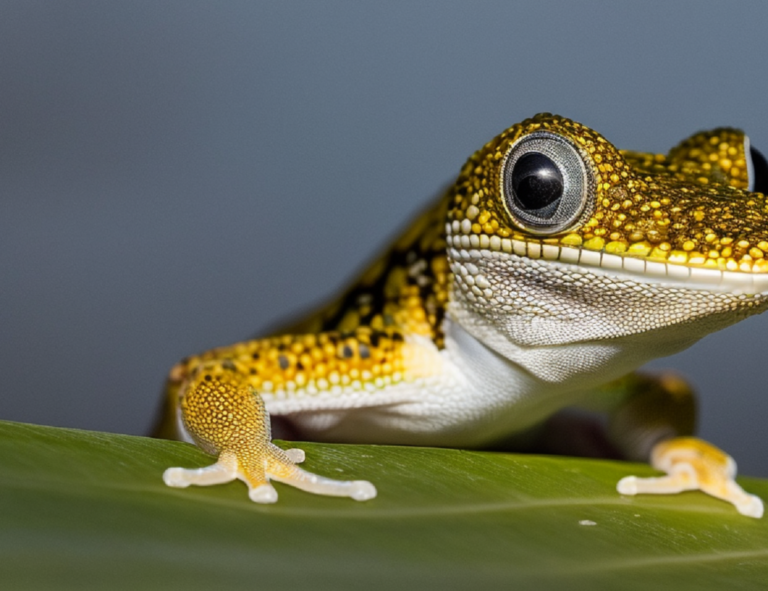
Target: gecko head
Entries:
(556, 236)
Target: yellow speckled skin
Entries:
(388, 334)
(689, 207)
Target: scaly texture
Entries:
(555, 264)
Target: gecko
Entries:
(551, 269)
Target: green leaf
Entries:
(82, 510)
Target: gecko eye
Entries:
(545, 182)
(758, 172)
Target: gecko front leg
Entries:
(227, 418)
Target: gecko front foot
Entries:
(693, 464)
(228, 419)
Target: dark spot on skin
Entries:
(253, 371)
(397, 337)
(760, 168)
(282, 347)
(299, 366)
(255, 356)
(283, 361)
(364, 351)
(207, 377)
(375, 339)
(347, 352)
(228, 364)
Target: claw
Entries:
(693, 464)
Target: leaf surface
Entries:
(86, 510)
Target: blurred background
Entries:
(177, 175)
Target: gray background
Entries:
(175, 176)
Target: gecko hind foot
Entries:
(693, 464)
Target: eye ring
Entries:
(546, 183)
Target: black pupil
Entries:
(760, 167)
(536, 181)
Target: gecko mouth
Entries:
(601, 263)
